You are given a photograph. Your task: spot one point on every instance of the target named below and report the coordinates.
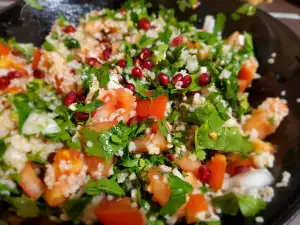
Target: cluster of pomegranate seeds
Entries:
(70, 98)
(177, 41)
(204, 79)
(80, 116)
(107, 53)
(241, 169)
(146, 53)
(186, 81)
(38, 74)
(178, 77)
(91, 61)
(163, 79)
(137, 61)
(144, 24)
(204, 174)
(14, 74)
(147, 64)
(122, 63)
(131, 87)
(4, 82)
(70, 29)
(137, 72)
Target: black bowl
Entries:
(270, 35)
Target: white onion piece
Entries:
(40, 123)
(252, 179)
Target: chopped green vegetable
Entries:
(107, 185)
(71, 43)
(34, 4)
(88, 108)
(49, 47)
(74, 207)
(25, 207)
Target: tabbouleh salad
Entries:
(135, 118)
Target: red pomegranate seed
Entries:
(163, 79)
(144, 24)
(241, 169)
(147, 64)
(106, 53)
(91, 61)
(80, 116)
(137, 61)
(123, 11)
(14, 74)
(15, 53)
(178, 77)
(131, 87)
(69, 29)
(186, 81)
(121, 80)
(80, 98)
(122, 63)
(177, 40)
(204, 174)
(204, 79)
(4, 82)
(137, 72)
(38, 74)
(51, 157)
(146, 52)
(70, 98)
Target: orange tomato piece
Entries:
(36, 58)
(217, 166)
(119, 212)
(231, 166)
(159, 185)
(155, 107)
(187, 164)
(30, 182)
(93, 164)
(4, 49)
(13, 90)
(197, 203)
(192, 180)
(55, 196)
(247, 73)
(102, 126)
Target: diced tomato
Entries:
(119, 212)
(160, 189)
(4, 49)
(70, 157)
(36, 58)
(247, 73)
(155, 107)
(197, 203)
(187, 164)
(102, 126)
(156, 140)
(93, 165)
(55, 196)
(217, 167)
(231, 167)
(30, 182)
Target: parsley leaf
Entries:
(179, 189)
(247, 9)
(107, 185)
(21, 102)
(48, 46)
(250, 206)
(71, 43)
(2, 148)
(145, 41)
(25, 206)
(227, 203)
(74, 207)
(62, 21)
(165, 35)
(25, 50)
(88, 108)
(34, 4)
(4, 187)
(220, 22)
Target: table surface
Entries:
(279, 8)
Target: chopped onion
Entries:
(40, 123)
(252, 179)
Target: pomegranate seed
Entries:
(122, 11)
(146, 52)
(137, 72)
(137, 61)
(204, 79)
(204, 174)
(163, 79)
(70, 98)
(241, 169)
(80, 98)
(147, 64)
(122, 63)
(186, 81)
(51, 157)
(107, 53)
(80, 116)
(144, 24)
(69, 29)
(15, 53)
(178, 77)
(38, 74)
(177, 40)
(14, 74)
(131, 87)
(92, 61)
(4, 82)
